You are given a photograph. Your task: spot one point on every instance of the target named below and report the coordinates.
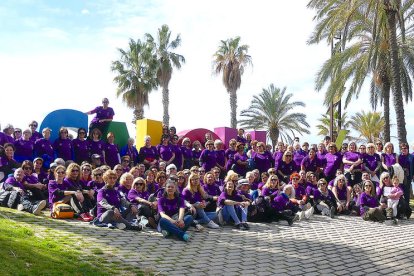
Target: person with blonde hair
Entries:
(139, 195)
(195, 197)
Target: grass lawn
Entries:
(24, 252)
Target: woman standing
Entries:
(131, 152)
(311, 163)
(389, 157)
(372, 162)
(96, 145)
(43, 148)
(62, 146)
(240, 160)
(208, 158)
(81, 147)
(171, 208)
(229, 154)
(352, 165)
(24, 147)
(262, 159)
(187, 153)
(111, 152)
(333, 162)
(165, 152)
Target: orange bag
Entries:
(62, 211)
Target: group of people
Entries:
(173, 186)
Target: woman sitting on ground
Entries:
(370, 208)
(342, 194)
(213, 192)
(282, 207)
(271, 189)
(324, 200)
(25, 202)
(112, 208)
(300, 200)
(195, 196)
(59, 190)
(230, 203)
(171, 208)
(139, 195)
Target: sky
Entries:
(57, 55)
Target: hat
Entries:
(242, 182)
(53, 165)
(37, 158)
(171, 166)
(95, 156)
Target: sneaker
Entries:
(199, 228)
(395, 221)
(301, 215)
(242, 227)
(326, 212)
(135, 227)
(332, 212)
(290, 220)
(85, 217)
(143, 221)
(165, 233)
(111, 226)
(120, 226)
(39, 207)
(246, 225)
(20, 207)
(309, 213)
(296, 217)
(186, 237)
(212, 225)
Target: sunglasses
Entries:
(75, 170)
(322, 183)
(139, 184)
(27, 168)
(201, 171)
(113, 177)
(82, 132)
(17, 131)
(60, 172)
(97, 174)
(86, 170)
(33, 125)
(403, 148)
(274, 179)
(125, 161)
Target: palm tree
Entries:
(364, 23)
(136, 76)
(369, 125)
(166, 60)
(324, 124)
(230, 59)
(272, 111)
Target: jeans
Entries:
(211, 215)
(202, 216)
(173, 229)
(254, 194)
(229, 211)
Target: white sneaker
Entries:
(301, 215)
(211, 224)
(199, 228)
(143, 221)
(39, 207)
(220, 217)
(120, 226)
(296, 218)
(20, 207)
(309, 212)
(326, 212)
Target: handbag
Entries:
(62, 211)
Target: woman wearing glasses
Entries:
(59, 190)
(24, 147)
(35, 135)
(104, 115)
(324, 200)
(342, 194)
(352, 165)
(370, 208)
(286, 167)
(31, 182)
(62, 146)
(333, 162)
(81, 147)
(139, 195)
(372, 162)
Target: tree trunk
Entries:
(233, 109)
(395, 66)
(386, 98)
(165, 104)
(138, 114)
(274, 135)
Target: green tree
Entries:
(230, 59)
(136, 76)
(369, 125)
(273, 111)
(166, 60)
(365, 24)
(324, 124)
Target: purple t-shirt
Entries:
(102, 113)
(94, 185)
(152, 187)
(43, 148)
(111, 154)
(270, 191)
(96, 147)
(12, 182)
(220, 157)
(341, 192)
(310, 165)
(286, 169)
(262, 161)
(298, 157)
(170, 206)
(300, 192)
(277, 156)
(319, 196)
(111, 196)
(178, 159)
(212, 190)
(224, 196)
(240, 169)
(333, 163)
(133, 194)
(371, 161)
(404, 161)
(24, 150)
(35, 136)
(56, 191)
(150, 154)
(389, 159)
(281, 202)
(165, 152)
(208, 159)
(367, 201)
(353, 157)
(80, 150)
(63, 148)
(229, 154)
(191, 197)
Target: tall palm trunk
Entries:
(138, 114)
(386, 97)
(165, 104)
(274, 135)
(233, 109)
(395, 66)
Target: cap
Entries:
(243, 182)
(171, 166)
(95, 156)
(37, 158)
(53, 165)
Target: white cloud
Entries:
(85, 11)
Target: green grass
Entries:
(24, 252)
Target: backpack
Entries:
(4, 198)
(62, 211)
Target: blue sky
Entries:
(57, 54)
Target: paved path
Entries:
(321, 246)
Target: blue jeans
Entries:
(202, 216)
(211, 215)
(173, 229)
(254, 194)
(229, 211)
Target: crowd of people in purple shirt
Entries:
(173, 186)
